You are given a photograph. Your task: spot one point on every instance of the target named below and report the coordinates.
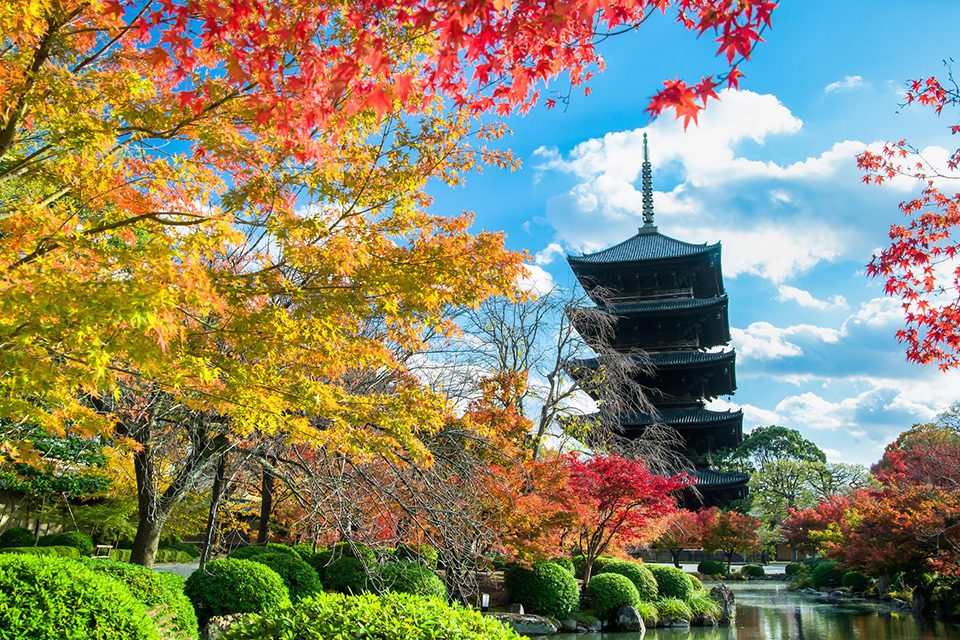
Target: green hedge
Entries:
(59, 598)
(176, 544)
(422, 553)
(641, 577)
(305, 551)
(301, 579)
(228, 586)
(546, 589)
(56, 552)
(410, 577)
(172, 556)
(609, 591)
(826, 574)
(323, 559)
(856, 581)
(81, 541)
(793, 568)
(671, 582)
(120, 555)
(752, 571)
(17, 537)
(712, 568)
(161, 593)
(565, 562)
(250, 550)
(347, 575)
(392, 616)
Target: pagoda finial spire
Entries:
(648, 226)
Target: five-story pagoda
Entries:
(668, 300)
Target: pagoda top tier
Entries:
(647, 245)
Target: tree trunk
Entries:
(587, 570)
(266, 500)
(729, 560)
(215, 495)
(675, 554)
(150, 520)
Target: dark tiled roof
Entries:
(644, 246)
(681, 417)
(665, 304)
(711, 478)
(664, 359)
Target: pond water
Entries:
(767, 611)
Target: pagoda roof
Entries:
(664, 304)
(711, 478)
(664, 359)
(646, 245)
(677, 418)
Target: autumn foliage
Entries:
(920, 267)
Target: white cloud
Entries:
(848, 83)
(833, 455)
(786, 293)
(764, 341)
(536, 280)
(547, 254)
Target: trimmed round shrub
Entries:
(674, 609)
(702, 604)
(641, 577)
(323, 558)
(564, 562)
(229, 585)
(793, 568)
(76, 539)
(695, 582)
(346, 575)
(57, 598)
(250, 550)
(856, 581)
(648, 613)
(752, 571)
(712, 568)
(176, 544)
(826, 574)
(305, 551)
(54, 552)
(161, 593)
(301, 579)
(411, 577)
(671, 582)
(17, 537)
(609, 591)
(422, 553)
(391, 616)
(545, 588)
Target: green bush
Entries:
(323, 558)
(161, 593)
(546, 589)
(120, 555)
(55, 552)
(712, 568)
(229, 585)
(856, 581)
(674, 609)
(410, 577)
(301, 579)
(57, 598)
(17, 537)
(752, 571)
(305, 551)
(702, 604)
(648, 612)
(392, 616)
(77, 539)
(598, 564)
(695, 582)
(793, 568)
(564, 562)
(346, 575)
(826, 574)
(609, 591)
(172, 556)
(641, 577)
(176, 544)
(671, 582)
(945, 595)
(422, 553)
(250, 550)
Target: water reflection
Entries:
(767, 611)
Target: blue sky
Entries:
(770, 172)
